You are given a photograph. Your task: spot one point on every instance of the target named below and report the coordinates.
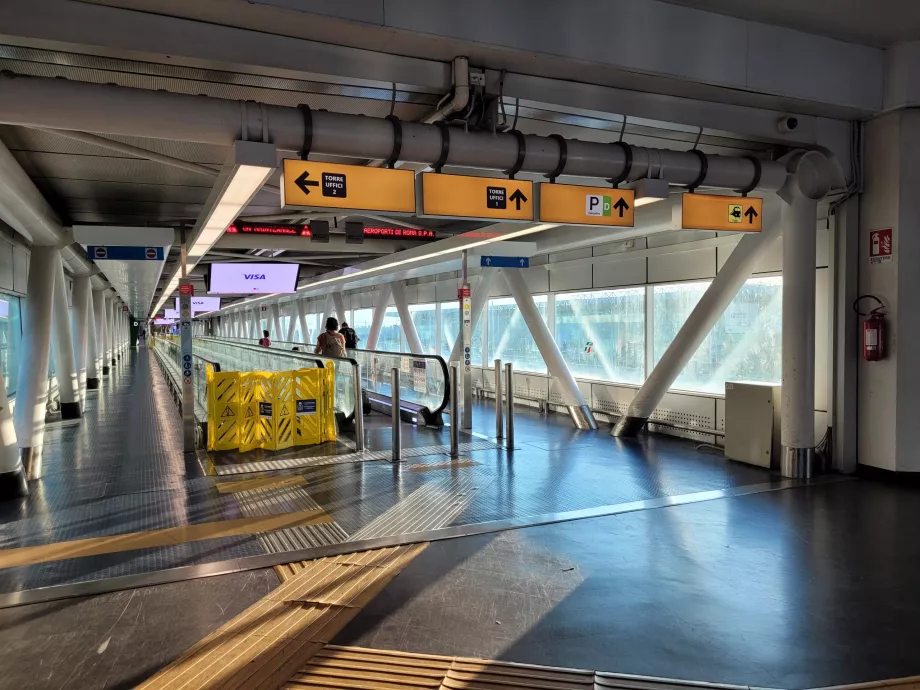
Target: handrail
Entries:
(345, 367)
(247, 343)
(445, 399)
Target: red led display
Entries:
(399, 233)
(268, 229)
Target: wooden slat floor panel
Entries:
(265, 645)
(370, 669)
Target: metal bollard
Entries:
(454, 410)
(509, 399)
(359, 410)
(499, 431)
(397, 422)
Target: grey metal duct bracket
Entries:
(755, 180)
(627, 164)
(397, 141)
(704, 170)
(563, 157)
(521, 154)
(445, 146)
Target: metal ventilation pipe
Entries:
(59, 104)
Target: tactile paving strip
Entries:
(378, 669)
(364, 456)
(266, 644)
(371, 669)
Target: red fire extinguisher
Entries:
(873, 334)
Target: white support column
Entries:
(256, 323)
(301, 307)
(92, 341)
(32, 381)
(12, 475)
(109, 331)
(405, 318)
(380, 309)
(328, 310)
(65, 367)
(707, 311)
(274, 322)
(555, 363)
(338, 301)
(292, 322)
(478, 301)
(80, 322)
(100, 310)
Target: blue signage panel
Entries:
(504, 262)
(100, 253)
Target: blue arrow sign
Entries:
(504, 262)
(100, 253)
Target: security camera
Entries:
(787, 124)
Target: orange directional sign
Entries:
(328, 185)
(458, 196)
(576, 205)
(710, 212)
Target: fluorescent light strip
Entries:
(245, 181)
(383, 269)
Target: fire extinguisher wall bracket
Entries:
(873, 335)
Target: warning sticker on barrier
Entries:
(228, 412)
(249, 413)
(306, 407)
(265, 409)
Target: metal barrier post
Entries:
(359, 410)
(454, 410)
(499, 432)
(397, 428)
(509, 395)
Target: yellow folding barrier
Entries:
(271, 410)
(223, 409)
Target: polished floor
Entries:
(117, 495)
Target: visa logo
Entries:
(254, 276)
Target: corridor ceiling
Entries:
(90, 184)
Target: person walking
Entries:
(265, 341)
(330, 343)
(351, 338)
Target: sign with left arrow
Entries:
(577, 205)
(460, 196)
(727, 213)
(329, 185)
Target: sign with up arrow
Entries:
(460, 196)
(504, 262)
(330, 185)
(726, 213)
(577, 205)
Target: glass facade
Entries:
(601, 333)
(391, 335)
(362, 319)
(10, 341)
(509, 338)
(424, 316)
(744, 345)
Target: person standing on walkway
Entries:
(351, 338)
(331, 343)
(265, 341)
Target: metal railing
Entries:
(168, 350)
(423, 378)
(236, 354)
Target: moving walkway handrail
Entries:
(368, 374)
(437, 359)
(341, 365)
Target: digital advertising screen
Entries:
(253, 279)
(202, 304)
